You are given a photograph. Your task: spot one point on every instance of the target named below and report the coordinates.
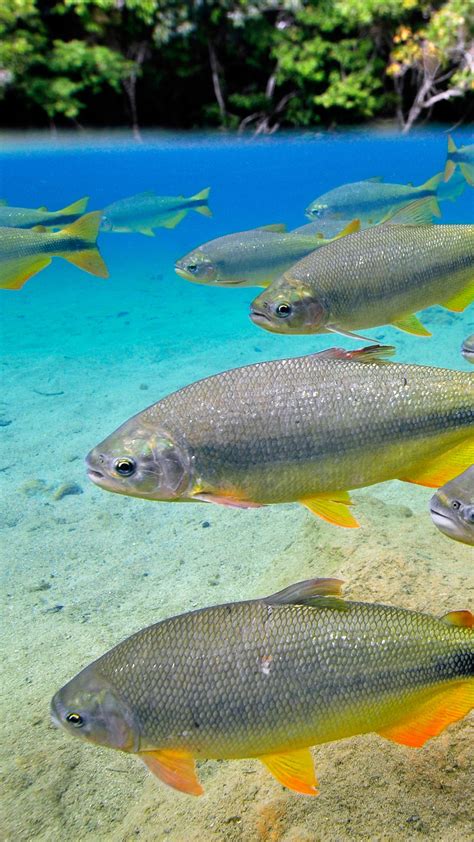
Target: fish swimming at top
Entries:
(145, 211)
(11, 217)
(452, 508)
(379, 276)
(467, 348)
(251, 258)
(24, 252)
(462, 158)
(303, 429)
(268, 679)
(372, 201)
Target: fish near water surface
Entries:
(251, 258)
(11, 217)
(372, 200)
(268, 679)
(452, 508)
(467, 348)
(379, 276)
(462, 158)
(145, 211)
(303, 429)
(25, 252)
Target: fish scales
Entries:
(250, 678)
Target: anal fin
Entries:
(458, 302)
(293, 769)
(332, 507)
(412, 324)
(443, 467)
(433, 715)
(173, 220)
(175, 768)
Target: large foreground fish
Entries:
(379, 276)
(25, 252)
(452, 508)
(462, 158)
(305, 429)
(145, 211)
(271, 677)
(372, 201)
(30, 218)
(251, 258)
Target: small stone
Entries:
(41, 586)
(66, 489)
(143, 387)
(55, 609)
(5, 422)
(122, 313)
(33, 487)
(205, 524)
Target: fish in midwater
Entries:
(467, 348)
(379, 276)
(303, 429)
(452, 508)
(41, 218)
(372, 200)
(145, 211)
(270, 678)
(251, 258)
(24, 252)
(462, 158)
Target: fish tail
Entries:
(76, 207)
(450, 165)
(203, 196)
(432, 185)
(468, 173)
(88, 258)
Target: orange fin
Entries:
(303, 592)
(433, 715)
(232, 502)
(175, 768)
(352, 228)
(369, 354)
(85, 230)
(89, 260)
(444, 467)
(463, 619)
(333, 507)
(461, 300)
(412, 324)
(14, 275)
(293, 769)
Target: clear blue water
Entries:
(79, 356)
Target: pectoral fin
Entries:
(332, 507)
(175, 768)
(222, 500)
(412, 324)
(433, 715)
(461, 300)
(293, 769)
(433, 473)
(463, 619)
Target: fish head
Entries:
(106, 223)
(467, 349)
(289, 308)
(140, 460)
(197, 267)
(318, 210)
(88, 707)
(453, 516)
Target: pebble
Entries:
(67, 488)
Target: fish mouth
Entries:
(258, 317)
(183, 274)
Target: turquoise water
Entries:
(82, 571)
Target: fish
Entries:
(380, 276)
(145, 211)
(270, 678)
(452, 508)
(251, 258)
(372, 200)
(24, 252)
(467, 348)
(304, 429)
(462, 158)
(11, 217)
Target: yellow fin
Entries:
(202, 197)
(433, 715)
(148, 232)
(175, 768)
(451, 145)
(40, 229)
(43, 208)
(89, 260)
(307, 591)
(277, 227)
(463, 619)
(333, 507)
(173, 221)
(444, 467)
(85, 229)
(412, 324)
(75, 207)
(418, 212)
(468, 172)
(352, 228)
(461, 300)
(13, 275)
(293, 769)
(449, 169)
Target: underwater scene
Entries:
(310, 515)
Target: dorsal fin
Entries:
(277, 227)
(43, 208)
(375, 179)
(462, 618)
(302, 593)
(369, 354)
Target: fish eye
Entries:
(470, 516)
(316, 212)
(75, 719)
(192, 267)
(283, 310)
(125, 466)
(456, 505)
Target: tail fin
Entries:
(78, 207)
(454, 189)
(85, 229)
(432, 184)
(202, 197)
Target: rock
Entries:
(67, 488)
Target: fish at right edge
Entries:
(452, 508)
